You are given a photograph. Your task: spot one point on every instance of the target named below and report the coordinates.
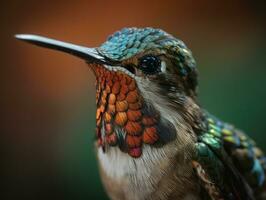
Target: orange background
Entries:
(48, 97)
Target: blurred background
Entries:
(48, 98)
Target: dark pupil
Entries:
(150, 64)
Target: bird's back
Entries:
(241, 154)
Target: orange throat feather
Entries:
(122, 118)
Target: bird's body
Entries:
(154, 141)
(149, 178)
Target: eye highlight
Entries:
(150, 64)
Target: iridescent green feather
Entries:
(129, 42)
(231, 159)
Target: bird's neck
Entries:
(165, 161)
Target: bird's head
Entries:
(142, 75)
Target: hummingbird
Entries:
(153, 138)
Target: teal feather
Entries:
(221, 150)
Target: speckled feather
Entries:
(128, 42)
(232, 160)
(120, 106)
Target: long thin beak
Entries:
(91, 55)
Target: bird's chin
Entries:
(114, 69)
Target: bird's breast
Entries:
(157, 174)
(135, 178)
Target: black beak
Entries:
(91, 55)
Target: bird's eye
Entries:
(150, 64)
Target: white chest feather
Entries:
(140, 178)
(136, 177)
